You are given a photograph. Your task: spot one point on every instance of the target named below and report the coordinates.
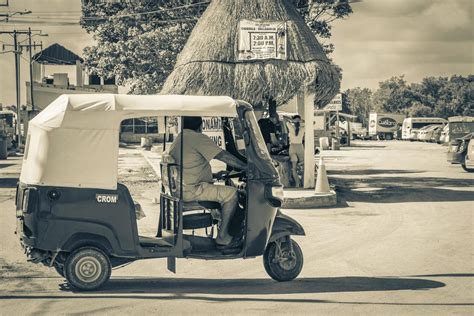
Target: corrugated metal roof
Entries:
(56, 55)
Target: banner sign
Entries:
(212, 127)
(262, 40)
(335, 104)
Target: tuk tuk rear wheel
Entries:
(87, 269)
(283, 260)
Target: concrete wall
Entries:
(45, 94)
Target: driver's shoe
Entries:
(236, 243)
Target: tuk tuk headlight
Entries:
(274, 195)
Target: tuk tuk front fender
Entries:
(285, 226)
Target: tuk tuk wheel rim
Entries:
(287, 260)
(88, 269)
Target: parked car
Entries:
(444, 136)
(436, 135)
(458, 149)
(418, 134)
(468, 163)
(426, 134)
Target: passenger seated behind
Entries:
(198, 185)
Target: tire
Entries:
(463, 165)
(283, 271)
(87, 269)
(3, 148)
(388, 136)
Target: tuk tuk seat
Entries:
(170, 183)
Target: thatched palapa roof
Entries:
(208, 64)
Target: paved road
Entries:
(399, 242)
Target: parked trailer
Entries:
(412, 125)
(460, 126)
(384, 125)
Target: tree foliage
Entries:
(433, 96)
(137, 41)
(358, 102)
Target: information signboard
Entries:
(335, 104)
(212, 127)
(262, 40)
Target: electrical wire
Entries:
(147, 12)
(63, 18)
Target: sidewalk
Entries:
(295, 198)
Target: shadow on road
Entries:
(403, 189)
(8, 182)
(6, 165)
(366, 146)
(203, 290)
(447, 275)
(200, 289)
(363, 172)
(265, 286)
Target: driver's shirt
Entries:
(198, 150)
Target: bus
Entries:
(412, 125)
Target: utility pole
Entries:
(30, 48)
(17, 52)
(17, 85)
(31, 70)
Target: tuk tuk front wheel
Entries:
(283, 259)
(463, 164)
(87, 269)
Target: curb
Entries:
(155, 167)
(313, 201)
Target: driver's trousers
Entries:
(225, 195)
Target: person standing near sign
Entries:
(296, 150)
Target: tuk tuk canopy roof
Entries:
(74, 141)
(106, 111)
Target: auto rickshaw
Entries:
(72, 214)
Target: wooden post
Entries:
(349, 132)
(309, 140)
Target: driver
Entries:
(198, 185)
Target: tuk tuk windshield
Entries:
(261, 148)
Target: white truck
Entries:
(384, 125)
(357, 130)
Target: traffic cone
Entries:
(322, 182)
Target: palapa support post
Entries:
(322, 182)
(309, 140)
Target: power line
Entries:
(146, 12)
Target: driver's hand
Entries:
(221, 175)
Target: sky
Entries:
(381, 39)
